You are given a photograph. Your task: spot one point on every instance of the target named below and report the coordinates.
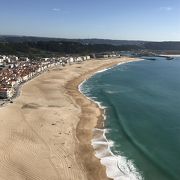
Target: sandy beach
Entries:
(46, 133)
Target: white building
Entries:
(6, 92)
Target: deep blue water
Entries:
(143, 114)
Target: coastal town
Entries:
(16, 70)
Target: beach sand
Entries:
(46, 133)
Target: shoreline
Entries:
(74, 88)
(46, 132)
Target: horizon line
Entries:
(36, 36)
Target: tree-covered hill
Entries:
(41, 48)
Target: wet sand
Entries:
(46, 133)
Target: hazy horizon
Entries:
(103, 19)
(10, 35)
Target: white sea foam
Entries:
(80, 86)
(123, 62)
(135, 60)
(118, 167)
(103, 70)
(111, 92)
(171, 55)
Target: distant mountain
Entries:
(163, 46)
(82, 41)
(109, 41)
(44, 45)
(46, 48)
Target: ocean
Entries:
(141, 135)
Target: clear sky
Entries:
(109, 19)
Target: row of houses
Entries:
(15, 70)
(105, 55)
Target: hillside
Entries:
(82, 41)
(42, 46)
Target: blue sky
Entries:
(110, 19)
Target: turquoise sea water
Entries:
(142, 102)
